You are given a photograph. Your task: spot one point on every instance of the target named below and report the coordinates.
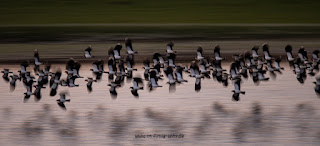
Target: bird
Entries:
(290, 57)
(298, 71)
(170, 48)
(122, 69)
(70, 65)
(146, 68)
(237, 90)
(315, 59)
(130, 64)
(112, 67)
(23, 69)
(194, 66)
(128, 43)
(234, 73)
(14, 78)
(243, 67)
(97, 69)
(29, 85)
(277, 64)
(261, 76)
(199, 53)
(137, 85)
(37, 91)
(37, 62)
(153, 82)
(71, 81)
(55, 81)
(179, 74)
(75, 69)
(169, 73)
(62, 100)
(87, 52)
(112, 90)
(265, 49)
(216, 52)
(116, 51)
(157, 60)
(89, 84)
(5, 75)
(171, 59)
(41, 77)
(254, 52)
(317, 87)
(203, 64)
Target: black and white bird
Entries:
(112, 90)
(137, 85)
(29, 85)
(298, 71)
(89, 84)
(158, 60)
(195, 69)
(112, 67)
(75, 69)
(55, 82)
(41, 77)
(290, 57)
(69, 66)
(265, 49)
(217, 53)
(199, 53)
(261, 76)
(234, 73)
(37, 91)
(254, 52)
(23, 69)
(237, 90)
(171, 59)
(153, 82)
(315, 59)
(121, 67)
(317, 87)
(277, 66)
(129, 47)
(5, 75)
(146, 67)
(62, 100)
(87, 52)
(204, 65)
(71, 81)
(37, 62)
(243, 67)
(179, 74)
(186, 69)
(169, 73)
(116, 51)
(130, 64)
(302, 54)
(14, 78)
(97, 69)
(170, 48)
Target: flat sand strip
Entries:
(166, 24)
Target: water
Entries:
(280, 111)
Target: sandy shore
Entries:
(186, 50)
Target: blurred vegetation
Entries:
(112, 20)
(159, 11)
(22, 34)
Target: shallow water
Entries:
(280, 111)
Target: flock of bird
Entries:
(120, 67)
